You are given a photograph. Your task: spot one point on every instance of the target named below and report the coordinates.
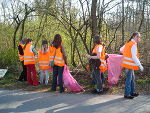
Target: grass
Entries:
(8, 80)
(143, 81)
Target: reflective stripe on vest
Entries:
(44, 65)
(129, 61)
(29, 60)
(51, 56)
(58, 61)
(43, 62)
(56, 57)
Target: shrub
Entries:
(9, 59)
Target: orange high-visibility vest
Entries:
(57, 57)
(103, 66)
(29, 57)
(127, 57)
(20, 56)
(52, 52)
(43, 60)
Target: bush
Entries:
(9, 59)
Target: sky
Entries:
(75, 3)
(7, 3)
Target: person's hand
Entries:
(88, 56)
(106, 57)
(141, 68)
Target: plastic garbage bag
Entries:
(69, 82)
(3, 72)
(114, 69)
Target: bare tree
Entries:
(94, 19)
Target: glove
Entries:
(141, 68)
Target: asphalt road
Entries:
(17, 101)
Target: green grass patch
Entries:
(143, 81)
(8, 80)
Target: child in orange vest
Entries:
(43, 62)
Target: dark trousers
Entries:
(31, 75)
(23, 76)
(57, 71)
(97, 77)
(94, 80)
(102, 77)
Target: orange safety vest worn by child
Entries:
(43, 59)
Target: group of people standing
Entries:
(48, 57)
(55, 56)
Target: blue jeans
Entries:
(97, 78)
(130, 82)
(57, 71)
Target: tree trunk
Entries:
(142, 14)
(123, 20)
(94, 18)
(23, 22)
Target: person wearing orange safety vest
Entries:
(23, 76)
(131, 62)
(58, 57)
(29, 62)
(43, 62)
(100, 54)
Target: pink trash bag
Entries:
(114, 69)
(69, 82)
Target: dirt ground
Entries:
(83, 78)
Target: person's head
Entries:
(24, 40)
(27, 41)
(97, 40)
(44, 45)
(57, 41)
(136, 36)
